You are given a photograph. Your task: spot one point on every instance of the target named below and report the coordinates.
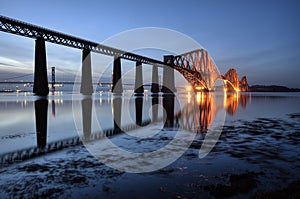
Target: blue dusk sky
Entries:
(259, 38)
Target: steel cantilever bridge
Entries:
(196, 66)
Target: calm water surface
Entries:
(258, 145)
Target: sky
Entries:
(260, 39)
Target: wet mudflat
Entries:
(253, 159)
(256, 156)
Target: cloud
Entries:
(5, 64)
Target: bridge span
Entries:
(196, 66)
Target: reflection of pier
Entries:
(86, 107)
(201, 110)
(117, 113)
(41, 111)
(168, 104)
(196, 116)
(139, 110)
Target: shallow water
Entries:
(256, 154)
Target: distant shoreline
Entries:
(271, 88)
(253, 88)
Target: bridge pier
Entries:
(86, 76)
(168, 75)
(117, 76)
(41, 113)
(155, 83)
(40, 85)
(139, 88)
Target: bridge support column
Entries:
(86, 76)
(168, 75)
(139, 88)
(117, 76)
(155, 83)
(40, 85)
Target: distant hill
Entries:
(272, 88)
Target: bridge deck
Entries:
(32, 31)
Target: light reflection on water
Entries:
(23, 114)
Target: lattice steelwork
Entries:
(32, 31)
(196, 66)
(200, 65)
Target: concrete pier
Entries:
(86, 76)
(117, 76)
(168, 75)
(155, 81)
(40, 86)
(139, 88)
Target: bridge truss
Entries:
(28, 30)
(198, 68)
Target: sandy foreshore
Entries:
(252, 159)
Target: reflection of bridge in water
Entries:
(196, 116)
(201, 110)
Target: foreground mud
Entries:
(252, 159)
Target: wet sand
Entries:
(252, 159)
